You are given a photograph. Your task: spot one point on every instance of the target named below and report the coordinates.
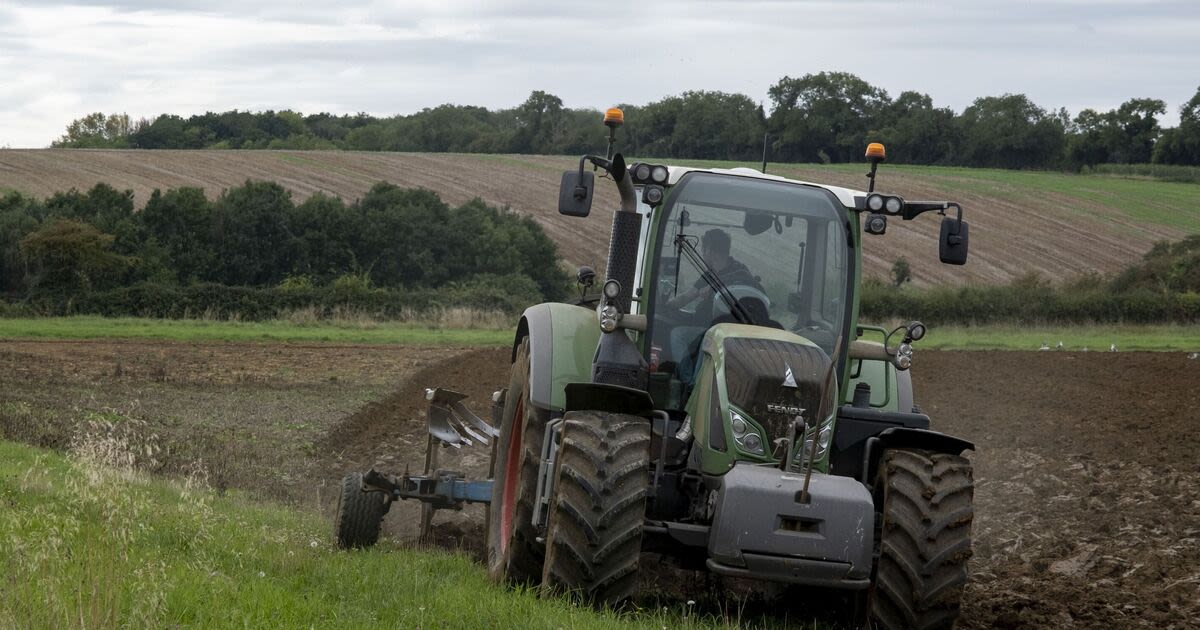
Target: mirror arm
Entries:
(913, 209)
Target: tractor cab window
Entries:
(744, 250)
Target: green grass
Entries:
(94, 327)
(1074, 338)
(1164, 337)
(88, 543)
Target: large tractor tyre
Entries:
(601, 482)
(359, 514)
(925, 539)
(514, 553)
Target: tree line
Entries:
(74, 244)
(822, 117)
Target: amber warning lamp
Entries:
(875, 154)
(613, 118)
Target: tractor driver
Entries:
(714, 248)
(685, 340)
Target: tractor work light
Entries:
(652, 195)
(641, 173)
(659, 175)
(612, 289)
(876, 224)
(916, 331)
(893, 205)
(875, 202)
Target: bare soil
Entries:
(1087, 480)
(1015, 229)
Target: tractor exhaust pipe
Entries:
(626, 233)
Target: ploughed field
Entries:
(1058, 225)
(1087, 480)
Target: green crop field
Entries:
(89, 543)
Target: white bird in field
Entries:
(1085, 349)
(1194, 355)
(1060, 345)
(1045, 346)
(1112, 348)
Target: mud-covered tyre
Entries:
(514, 553)
(359, 514)
(926, 506)
(601, 482)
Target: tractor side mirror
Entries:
(952, 243)
(575, 193)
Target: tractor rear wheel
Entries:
(359, 514)
(925, 541)
(601, 481)
(514, 553)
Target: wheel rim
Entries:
(512, 475)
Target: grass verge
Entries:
(94, 327)
(90, 543)
(1073, 338)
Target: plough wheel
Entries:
(359, 514)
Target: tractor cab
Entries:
(737, 248)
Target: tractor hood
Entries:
(770, 375)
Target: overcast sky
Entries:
(62, 60)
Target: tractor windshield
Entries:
(779, 250)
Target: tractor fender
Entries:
(562, 344)
(904, 437)
(609, 399)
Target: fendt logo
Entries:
(787, 410)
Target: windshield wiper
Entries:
(706, 272)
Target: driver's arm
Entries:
(683, 299)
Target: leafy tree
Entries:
(1125, 135)
(253, 243)
(916, 132)
(65, 256)
(1181, 145)
(180, 222)
(97, 130)
(1010, 131)
(824, 116)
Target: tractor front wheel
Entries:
(514, 553)
(925, 539)
(601, 481)
(359, 514)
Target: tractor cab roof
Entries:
(845, 196)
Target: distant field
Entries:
(1074, 338)
(1057, 224)
(95, 327)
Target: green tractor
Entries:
(717, 402)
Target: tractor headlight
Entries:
(875, 202)
(745, 434)
(824, 439)
(659, 174)
(893, 205)
(737, 423)
(609, 316)
(612, 289)
(642, 172)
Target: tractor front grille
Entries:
(756, 379)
